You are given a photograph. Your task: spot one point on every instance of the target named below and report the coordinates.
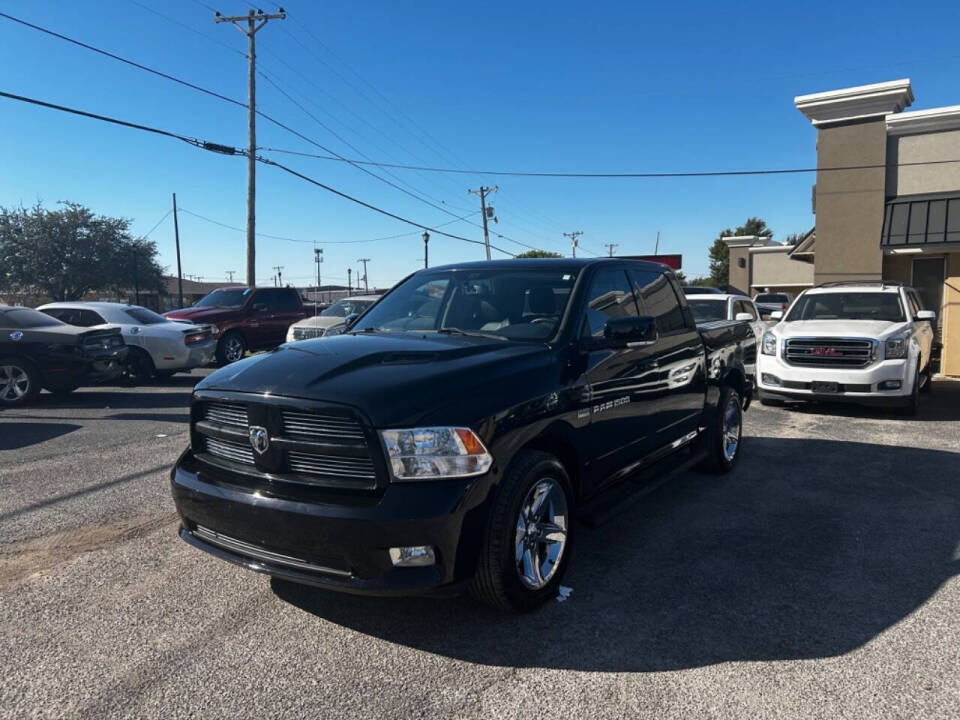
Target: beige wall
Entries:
(921, 179)
(850, 202)
(739, 281)
(777, 269)
(950, 358)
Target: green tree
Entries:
(539, 254)
(68, 252)
(794, 238)
(720, 253)
(681, 276)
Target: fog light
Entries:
(769, 379)
(891, 385)
(413, 556)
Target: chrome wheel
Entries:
(233, 349)
(732, 422)
(541, 535)
(14, 383)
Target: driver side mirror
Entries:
(926, 315)
(776, 315)
(743, 317)
(350, 320)
(625, 332)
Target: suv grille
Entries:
(322, 448)
(829, 352)
(305, 333)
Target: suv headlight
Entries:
(435, 452)
(769, 344)
(897, 346)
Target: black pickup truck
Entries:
(450, 437)
(38, 351)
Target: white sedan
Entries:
(158, 347)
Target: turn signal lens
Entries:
(435, 452)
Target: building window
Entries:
(741, 262)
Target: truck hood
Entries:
(202, 315)
(877, 329)
(394, 379)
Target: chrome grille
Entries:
(305, 333)
(312, 464)
(829, 352)
(319, 427)
(228, 450)
(226, 413)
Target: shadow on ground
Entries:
(941, 405)
(19, 435)
(809, 549)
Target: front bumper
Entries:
(339, 543)
(859, 385)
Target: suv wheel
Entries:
(725, 435)
(19, 382)
(231, 348)
(529, 537)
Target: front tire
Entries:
(232, 347)
(912, 405)
(19, 382)
(725, 434)
(529, 537)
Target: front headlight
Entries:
(897, 347)
(769, 345)
(435, 452)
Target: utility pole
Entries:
(279, 269)
(483, 192)
(349, 282)
(610, 247)
(574, 240)
(656, 248)
(136, 280)
(254, 22)
(366, 288)
(176, 237)
(230, 275)
(426, 253)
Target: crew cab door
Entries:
(271, 312)
(680, 389)
(618, 395)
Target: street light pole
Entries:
(426, 251)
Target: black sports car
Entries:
(38, 351)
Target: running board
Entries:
(624, 495)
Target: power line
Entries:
(159, 222)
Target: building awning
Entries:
(921, 220)
(806, 248)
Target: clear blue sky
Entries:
(560, 86)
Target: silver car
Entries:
(333, 316)
(158, 347)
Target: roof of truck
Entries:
(554, 263)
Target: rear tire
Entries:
(725, 434)
(529, 536)
(138, 366)
(232, 347)
(19, 382)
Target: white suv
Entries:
(867, 343)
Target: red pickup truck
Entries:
(245, 318)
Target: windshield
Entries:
(705, 310)
(342, 308)
(27, 318)
(224, 298)
(142, 316)
(848, 306)
(509, 303)
(772, 298)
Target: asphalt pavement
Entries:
(818, 580)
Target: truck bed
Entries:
(717, 333)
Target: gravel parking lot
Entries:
(817, 580)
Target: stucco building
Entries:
(887, 197)
(758, 264)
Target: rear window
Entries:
(848, 306)
(772, 298)
(26, 318)
(706, 310)
(142, 316)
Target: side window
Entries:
(752, 309)
(286, 301)
(88, 318)
(610, 297)
(745, 306)
(267, 298)
(660, 301)
(914, 301)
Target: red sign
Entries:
(674, 262)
